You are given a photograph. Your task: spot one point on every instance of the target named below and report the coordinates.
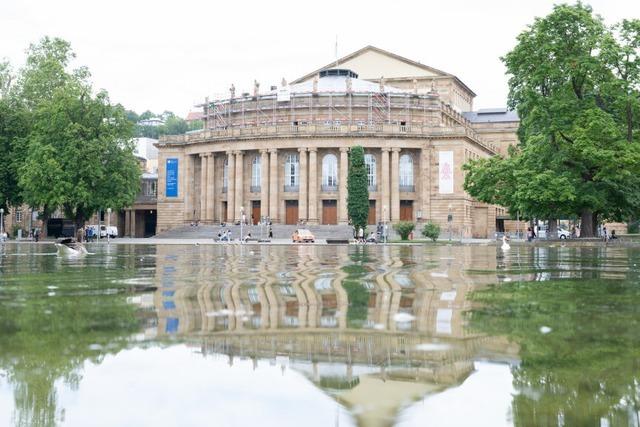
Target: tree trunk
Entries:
(586, 223)
(553, 229)
(45, 219)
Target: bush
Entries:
(431, 231)
(403, 228)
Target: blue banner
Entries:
(172, 178)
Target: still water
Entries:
(320, 336)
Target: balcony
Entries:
(254, 189)
(329, 188)
(407, 188)
(291, 188)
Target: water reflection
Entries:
(372, 329)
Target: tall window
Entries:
(406, 170)
(291, 170)
(255, 172)
(225, 173)
(370, 163)
(18, 215)
(330, 170)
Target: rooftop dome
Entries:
(334, 80)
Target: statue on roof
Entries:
(256, 88)
(283, 83)
(232, 91)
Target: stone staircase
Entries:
(280, 231)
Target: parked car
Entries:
(302, 235)
(561, 233)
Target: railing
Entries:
(269, 130)
(329, 188)
(407, 188)
(291, 188)
(254, 189)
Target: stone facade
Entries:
(284, 154)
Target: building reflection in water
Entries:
(376, 327)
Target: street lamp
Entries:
(241, 223)
(384, 223)
(449, 220)
(2, 222)
(108, 224)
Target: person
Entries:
(529, 234)
(247, 237)
(573, 232)
(219, 235)
(605, 237)
(270, 231)
(534, 232)
(372, 237)
(360, 235)
(80, 235)
(36, 234)
(613, 235)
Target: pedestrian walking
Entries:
(529, 234)
(360, 235)
(605, 237)
(270, 232)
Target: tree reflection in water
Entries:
(580, 349)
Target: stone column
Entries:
(133, 223)
(425, 183)
(273, 185)
(384, 182)
(395, 184)
(231, 186)
(302, 187)
(211, 190)
(127, 223)
(313, 186)
(203, 186)
(343, 217)
(239, 184)
(264, 182)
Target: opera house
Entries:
(282, 151)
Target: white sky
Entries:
(162, 55)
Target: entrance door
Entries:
(255, 211)
(330, 212)
(372, 212)
(406, 210)
(224, 212)
(291, 212)
(479, 229)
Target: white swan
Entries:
(69, 247)
(505, 246)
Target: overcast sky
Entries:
(162, 55)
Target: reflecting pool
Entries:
(142, 335)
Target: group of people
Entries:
(373, 237)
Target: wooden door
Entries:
(330, 212)
(291, 212)
(406, 210)
(372, 212)
(255, 211)
(224, 212)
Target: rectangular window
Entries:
(18, 216)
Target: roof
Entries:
(194, 115)
(394, 56)
(491, 115)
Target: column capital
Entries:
(385, 149)
(302, 149)
(230, 153)
(202, 155)
(264, 150)
(273, 150)
(344, 149)
(313, 149)
(241, 153)
(395, 149)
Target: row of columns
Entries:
(307, 190)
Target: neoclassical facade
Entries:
(283, 153)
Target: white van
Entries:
(111, 230)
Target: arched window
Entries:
(329, 171)
(291, 170)
(255, 172)
(406, 172)
(370, 163)
(225, 173)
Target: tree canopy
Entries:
(576, 86)
(358, 189)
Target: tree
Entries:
(431, 231)
(574, 83)
(404, 228)
(358, 189)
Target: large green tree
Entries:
(358, 189)
(574, 82)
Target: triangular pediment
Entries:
(371, 63)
